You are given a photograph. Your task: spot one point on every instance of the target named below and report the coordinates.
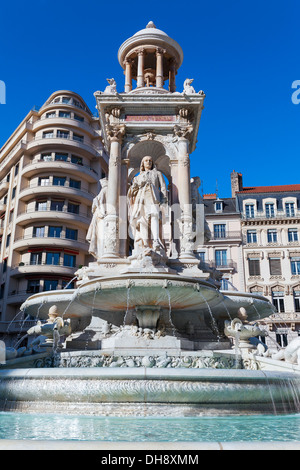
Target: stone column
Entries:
(159, 67)
(111, 235)
(128, 75)
(172, 74)
(184, 191)
(123, 215)
(140, 68)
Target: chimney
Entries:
(236, 182)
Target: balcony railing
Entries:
(52, 185)
(260, 215)
(68, 161)
(215, 236)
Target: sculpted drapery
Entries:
(147, 194)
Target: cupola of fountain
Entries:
(151, 58)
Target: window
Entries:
(77, 160)
(270, 210)
(78, 118)
(51, 115)
(54, 232)
(4, 265)
(218, 206)
(46, 157)
(48, 135)
(254, 266)
(59, 180)
(275, 266)
(50, 284)
(63, 134)
(73, 208)
(64, 114)
(221, 258)
(290, 209)
(57, 206)
(33, 286)
(44, 181)
(224, 284)
(78, 138)
(52, 258)
(8, 240)
(251, 236)
(75, 184)
(66, 100)
(13, 193)
(295, 266)
(293, 235)
(61, 157)
(2, 290)
(71, 234)
(278, 301)
(17, 169)
(297, 300)
(69, 260)
(272, 236)
(201, 255)
(41, 206)
(36, 258)
(38, 232)
(219, 231)
(249, 210)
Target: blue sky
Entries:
(243, 54)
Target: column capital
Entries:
(160, 51)
(115, 133)
(183, 132)
(141, 51)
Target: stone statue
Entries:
(188, 89)
(111, 89)
(52, 330)
(148, 192)
(95, 233)
(289, 354)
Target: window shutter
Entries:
(275, 267)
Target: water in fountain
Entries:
(213, 320)
(170, 310)
(69, 283)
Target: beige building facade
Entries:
(270, 224)
(49, 174)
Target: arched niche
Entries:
(151, 148)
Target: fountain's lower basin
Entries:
(132, 391)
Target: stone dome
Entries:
(151, 36)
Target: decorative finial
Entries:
(151, 25)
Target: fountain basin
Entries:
(134, 390)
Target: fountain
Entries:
(147, 327)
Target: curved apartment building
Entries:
(49, 174)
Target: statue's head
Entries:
(147, 163)
(53, 311)
(104, 182)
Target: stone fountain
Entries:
(147, 326)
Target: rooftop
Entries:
(270, 189)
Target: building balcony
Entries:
(31, 216)
(76, 169)
(65, 191)
(226, 236)
(3, 187)
(42, 269)
(279, 215)
(64, 121)
(228, 265)
(40, 143)
(63, 242)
